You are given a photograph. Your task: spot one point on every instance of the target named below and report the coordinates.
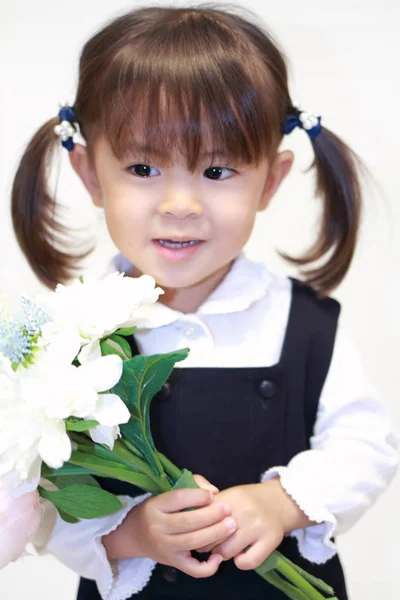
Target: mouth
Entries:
(176, 244)
(178, 250)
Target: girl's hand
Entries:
(157, 528)
(263, 513)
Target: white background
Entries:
(344, 64)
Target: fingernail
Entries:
(230, 524)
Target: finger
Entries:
(183, 522)
(209, 535)
(170, 502)
(191, 566)
(208, 548)
(234, 545)
(205, 484)
(253, 557)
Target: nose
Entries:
(181, 203)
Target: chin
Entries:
(178, 281)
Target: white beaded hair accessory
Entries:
(67, 127)
(308, 121)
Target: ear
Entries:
(85, 170)
(278, 170)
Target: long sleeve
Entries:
(352, 458)
(79, 547)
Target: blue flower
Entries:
(33, 316)
(15, 342)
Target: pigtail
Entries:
(337, 182)
(39, 234)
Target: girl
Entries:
(182, 112)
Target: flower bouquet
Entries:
(75, 404)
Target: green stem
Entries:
(173, 471)
(153, 453)
(80, 438)
(132, 460)
(299, 581)
(115, 472)
(318, 583)
(287, 588)
(131, 447)
(164, 483)
(161, 473)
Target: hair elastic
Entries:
(305, 120)
(67, 127)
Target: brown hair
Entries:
(192, 79)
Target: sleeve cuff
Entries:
(79, 547)
(315, 542)
(120, 579)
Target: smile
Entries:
(175, 244)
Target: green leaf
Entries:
(126, 331)
(67, 518)
(65, 471)
(107, 348)
(83, 501)
(104, 468)
(102, 453)
(80, 424)
(95, 459)
(68, 480)
(186, 480)
(142, 378)
(122, 343)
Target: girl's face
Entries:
(183, 228)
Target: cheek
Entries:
(237, 220)
(122, 212)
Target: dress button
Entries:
(267, 389)
(170, 574)
(190, 331)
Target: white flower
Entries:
(35, 401)
(97, 308)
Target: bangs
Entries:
(192, 88)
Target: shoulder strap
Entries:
(312, 326)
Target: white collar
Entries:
(245, 283)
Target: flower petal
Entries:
(105, 435)
(55, 445)
(63, 347)
(102, 374)
(90, 352)
(111, 410)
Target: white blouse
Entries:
(353, 454)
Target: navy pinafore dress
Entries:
(231, 425)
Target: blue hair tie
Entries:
(305, 120)
(67, 127)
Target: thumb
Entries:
(205, 484)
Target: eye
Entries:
(217, 173)
(141, 170)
